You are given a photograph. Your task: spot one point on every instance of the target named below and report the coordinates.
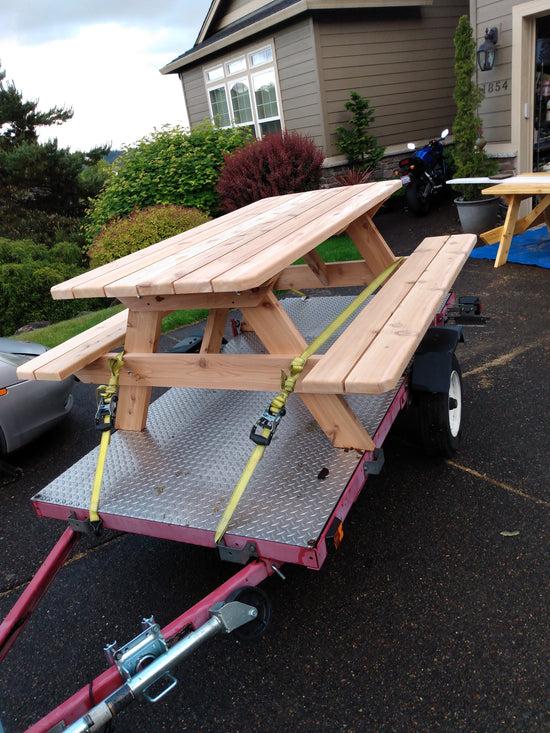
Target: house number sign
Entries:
(494, 87)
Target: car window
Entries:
(14, 359)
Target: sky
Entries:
(102, 59)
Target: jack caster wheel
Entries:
(259, 599)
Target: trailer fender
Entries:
(432, 361)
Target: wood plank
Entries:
(370, 244)
(213, 332)
(286, 250)
(142, 335)
(170, 303)
(250, 372)
(93, 282)
(537, 215)
(317, 266)
(70, 356)
(274, 327)
(158, 277)
(330, 375)
(510, 224)
(275, 244)
(339, 275)
(383, 363)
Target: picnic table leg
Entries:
(213, 332)
(370, 244)
(279, 335)
(142, 337)
(508, 230)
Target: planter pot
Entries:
(477, 217)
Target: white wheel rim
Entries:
(455, 395)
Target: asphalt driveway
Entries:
(432, 616)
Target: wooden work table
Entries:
(237, 261)
(514, 190)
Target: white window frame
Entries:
(247, 76)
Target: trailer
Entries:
(177, 469)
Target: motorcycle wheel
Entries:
(417, 197)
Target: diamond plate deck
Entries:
(182, 469)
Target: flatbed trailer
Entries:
(174, 478)
(154, 488)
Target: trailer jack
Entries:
(147, 659)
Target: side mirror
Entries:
(444, 133)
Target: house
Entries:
(516, 108)
(292, 64)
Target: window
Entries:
(218, 104)
(236, 66)
(251, 99)
(215, 74)
(263, 56)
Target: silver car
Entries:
(29, 407)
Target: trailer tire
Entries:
(440, 416)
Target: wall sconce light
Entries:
(486, 52)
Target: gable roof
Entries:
(211, 38)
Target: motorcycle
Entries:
(423, 174)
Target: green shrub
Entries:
(142, 228)
(25, 294)
(282, 162)
(19, 223)
(360, 147)
(171, 166)
(27, 272)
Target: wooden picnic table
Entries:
(237, 261)
(514, 190)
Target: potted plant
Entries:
(477, 213)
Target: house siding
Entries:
(299, 80)
(403, 61)
(496, 108)
(196, 100)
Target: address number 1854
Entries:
(494, 87)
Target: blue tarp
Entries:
(530, 248)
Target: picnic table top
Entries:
(524, 183)
(236, 252)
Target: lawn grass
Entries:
(335, 249)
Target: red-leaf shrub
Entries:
(282, 162)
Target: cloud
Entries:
(41, 21)
(108, 71)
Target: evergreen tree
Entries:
(19, 119)
(44, 189)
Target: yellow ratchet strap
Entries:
(263, 431)
(104, 419)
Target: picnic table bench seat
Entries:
(372, 353)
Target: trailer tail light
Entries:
(336, 533)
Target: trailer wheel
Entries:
(260, 600)
(440, 416)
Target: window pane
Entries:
(263, 56)
(215, 74)
(265, 95)
(271, 126)
(240, 101)
(220, 110)
(237, 65)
